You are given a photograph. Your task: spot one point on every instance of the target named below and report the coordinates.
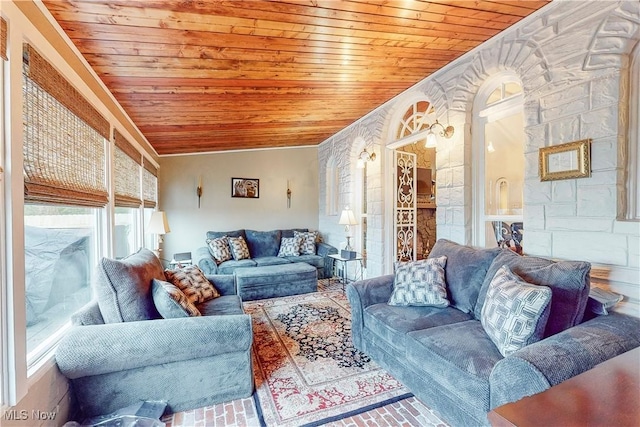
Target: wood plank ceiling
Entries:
(201, 76)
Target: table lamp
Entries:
(347, 218)
(159, 225)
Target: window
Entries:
(415, 119)
(3, 281)
(499, 154)
(64, 154)
(633, 155)
(127, 167)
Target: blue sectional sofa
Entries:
(121, 350)
(263, 249)
(445, 356)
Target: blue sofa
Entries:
(263, 248)
(445, 357)
(121, 351)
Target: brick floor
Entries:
(242, 413)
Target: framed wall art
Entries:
(565, 161)
(247, 188)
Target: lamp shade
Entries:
(347, 217)
(158, 223)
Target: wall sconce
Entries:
(199, 190)
(288, 195)
(432, 141)
(159, 225)
(364, 157)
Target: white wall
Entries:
(178, 178)
(572, 58)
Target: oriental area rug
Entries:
(307, 371)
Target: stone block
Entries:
(536, 192)
(563, 191)
(601, 123)
(561, 210)
(634, 251)
(605, 92)
(631, 228)
(535, 137)
(604, 153)
(597, 201)
(565, 130)
(565, 95)
(568, 109)
(579, 224)
(537, 242)
(534, 217)
(596, 247)
(457, 176)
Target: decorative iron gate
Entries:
(405, 213)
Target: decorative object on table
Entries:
(182, 259)
(365, 157)
(565, 161)
(199, 190)
(347, 218)
(432, 140)
(159, 225)
(247, 188)
(288, 195)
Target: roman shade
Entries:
(3, 39)
(149, 184)
(64, 139)
(127, 162)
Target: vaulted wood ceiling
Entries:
(200, 76)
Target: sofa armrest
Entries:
(205, 261)
(323, 250)
(100, 349)
(361, 295)
(557, 358)
(224, 283)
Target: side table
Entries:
(345, 261)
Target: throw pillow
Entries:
(420, 283)
(192, 281)
(219, 249)
(123, 287)
(289, 246)
(171, 302)
(239, 248)
(307, 242)
(515, 312)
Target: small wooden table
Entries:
(607, 395)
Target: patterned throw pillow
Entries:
(192, 281)
(515, 312)
(420, 283)
(219, 249)
(171, 302)
(308, 241)
(239, 248)
(289, 246)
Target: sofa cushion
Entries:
(228, 267)
(420, 283)
(514, 313)
(227, 304)
(465, 271)
(217, 234)
(315, 260)
(308, 241)
(569, 282)
(219, 249)
(171, 302)
(193, 283)
(289, 246)
(263, 243)
(458, 358)
(291, 231)
(239, 248)
(123, 287)
(271, 260)
(391, 323)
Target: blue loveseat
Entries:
(121, 350)
(445, 357)
(263, 249)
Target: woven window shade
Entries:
(149, 185)
(54, 83)
(3, 39)
(64, 157)
(127, 173)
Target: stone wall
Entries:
(572, 59)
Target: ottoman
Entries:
(271, 281)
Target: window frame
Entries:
(632, 211)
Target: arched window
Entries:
(498, 153)
(414, 119)
(633, 154)
(331, 187)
